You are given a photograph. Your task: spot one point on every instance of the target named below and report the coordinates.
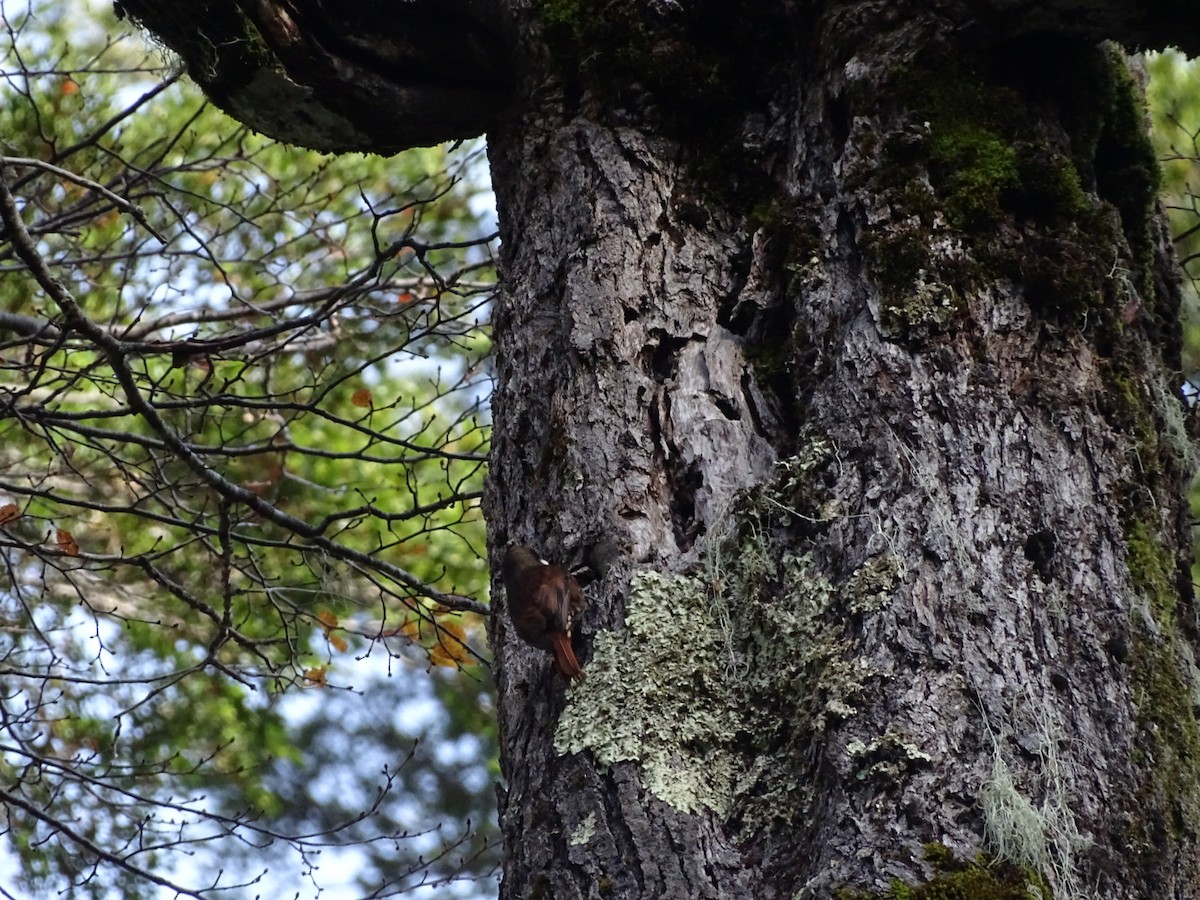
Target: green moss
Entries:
(954, 879)
(770, 361)
(938, 855)
(1148, 409)
(1166, 683)
(1127, 171)
(896, 256)
(978, 170)
(1152, 568)
(982, 165)
(1162, 669)
(220, 45)
(1050, 188)
(1166, 695)
(982, 189)
(569, 14)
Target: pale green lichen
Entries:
(717, 675)
(1174, 429)
(795, 469)
(1040, 838)
(572, 478)
(925, 303)
(871, 587)
(795, 653)
(657, 693)
(890, 755)
(585, 832)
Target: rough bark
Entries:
(925, 278)
(849, 337)
(616, 387)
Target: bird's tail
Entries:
(564, 657)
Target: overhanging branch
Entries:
(337, 76)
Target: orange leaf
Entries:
(451, 648)
(406, 297)
(315, 676)
(9, 512)
(338, 643)
(441, 656)
(362, 397)
(326, 618)
(411, 629)
(66, 543)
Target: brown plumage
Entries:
(544, 602)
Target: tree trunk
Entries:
(844, 342)
(865, 343)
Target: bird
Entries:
(544, 602)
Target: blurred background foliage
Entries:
(243, 559)
(1173, 95)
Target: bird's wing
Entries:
(554, 598)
